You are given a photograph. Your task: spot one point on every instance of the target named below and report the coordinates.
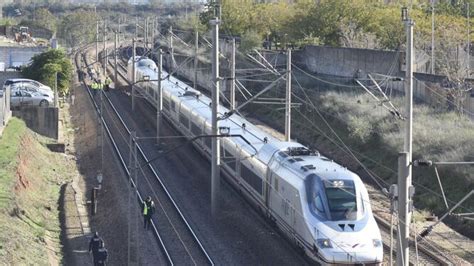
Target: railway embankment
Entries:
(31, 178)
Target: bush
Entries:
(44, 67)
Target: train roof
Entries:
(295, 157)
(237, 125)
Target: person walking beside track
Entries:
(148, 210)
(102, 255)
(94, 245)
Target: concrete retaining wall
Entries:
(347, 62)
(17, 56)
(338, 62)
(41, 120)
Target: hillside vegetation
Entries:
(375, 137)
(30, 181)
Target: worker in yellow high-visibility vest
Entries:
(93, 86)
(148, 210)
(107, 83)
(100, 85)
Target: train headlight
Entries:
(324, 243)
(377, 243)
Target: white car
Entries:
(20, 98)
(29, 85)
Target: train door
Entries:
(270, 181)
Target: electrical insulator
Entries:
(423, 162)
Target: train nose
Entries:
(359, 252)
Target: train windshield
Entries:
(342, 199)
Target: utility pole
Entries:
(153, 34)
(146, 33)
(432, 38)
(468, 42)
(97, 42)
(232, 77)
(215, 176)
(132, 243)
(105, 33)
(288, 97)
(134, 73)
(106, 55)
(118, 27)
(159, 100)
(171, 50)
(115, 60)
(136, 28)
(105, 49)
(405, 189)
(56, 90)
(196, 47)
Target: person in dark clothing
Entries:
(102, 255)
(94, 245)
(148, 210)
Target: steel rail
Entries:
(423, 253)
(151, 167)
(122, 161)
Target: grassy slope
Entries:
(30, 179)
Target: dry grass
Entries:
(437, 136)
(375, 137)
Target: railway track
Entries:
(177, 239)
(425, 254)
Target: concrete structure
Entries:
(41, 120)
(348, 62)
(5, 112)
(18, 56)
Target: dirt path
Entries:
(81, 137)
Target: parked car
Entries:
(28, 81)
(31, 87)
(20, 98)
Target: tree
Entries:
(250, 40)
(44, 18)
(78, 28)
(44, 67)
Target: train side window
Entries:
(173, 106)
(275, 182)
(208, 142)
(228, 158)
(184, 120)
(195, 129)
(251, 178)
(166, 104)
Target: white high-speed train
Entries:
(320, 205)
